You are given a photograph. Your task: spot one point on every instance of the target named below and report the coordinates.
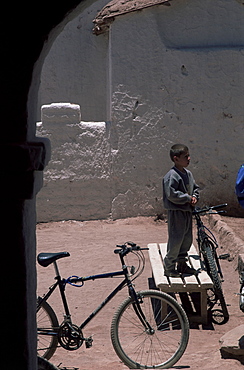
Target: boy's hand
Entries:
(193, 200)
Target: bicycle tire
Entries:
(212, 269)
(47, 328)
(43, 364)
(138, 348)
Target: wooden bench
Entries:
(185, 286)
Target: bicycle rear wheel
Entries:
(47, 328)
(43, 364)
(161, 343)
(212, 269)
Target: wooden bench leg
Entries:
(164, 311)
(204, 311)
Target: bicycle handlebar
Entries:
(124, 249)
(209, 209)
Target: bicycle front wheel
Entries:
(212, 269)
(156, 341)
(47, 328)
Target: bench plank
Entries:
(195, 261)
(157, 265)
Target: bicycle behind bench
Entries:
(144, 335)
(207, 245)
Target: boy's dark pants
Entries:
(179, 237)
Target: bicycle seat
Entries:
(45, 259)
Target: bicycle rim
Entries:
(47, 327)
(140, 348)
(213, 272)
(43, 364)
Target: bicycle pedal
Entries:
(66, 368)
(224, 256)
(88, 342)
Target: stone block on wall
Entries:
(60, 113)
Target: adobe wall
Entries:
(167, 75)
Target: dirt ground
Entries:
(91, 245)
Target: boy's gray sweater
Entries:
(176, 196)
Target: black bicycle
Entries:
(149, 329)
(208, 245)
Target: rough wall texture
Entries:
(168, 74)
(86, 178)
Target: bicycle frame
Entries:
(201, 233)
(61, 283)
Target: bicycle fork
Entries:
(137, 300)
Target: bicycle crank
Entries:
(70, 336)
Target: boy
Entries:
(180, 194)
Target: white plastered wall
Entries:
(169, 74)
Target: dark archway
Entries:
(26, 33)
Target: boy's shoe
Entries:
(172, 273)
(183, 268)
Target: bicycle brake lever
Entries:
(131, 244)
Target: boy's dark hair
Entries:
(177, 150)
